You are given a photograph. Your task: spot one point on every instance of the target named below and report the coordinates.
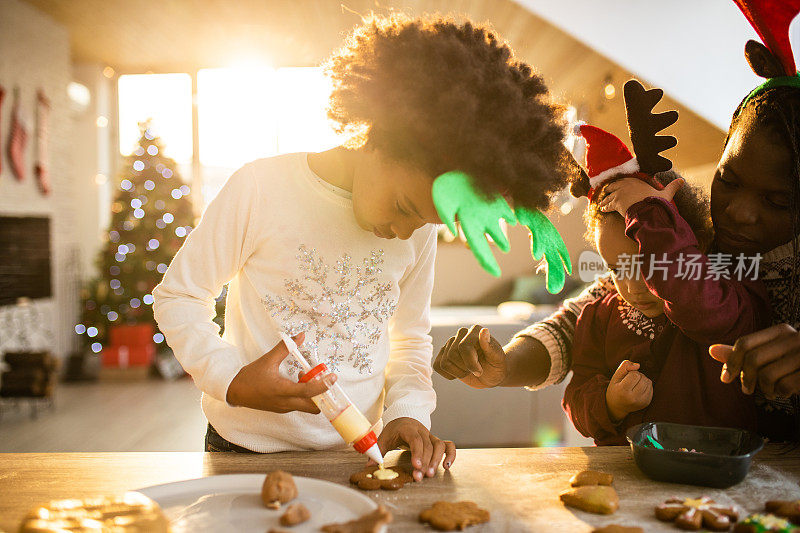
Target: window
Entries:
(165, 100)
(255, 112)
(244, 113)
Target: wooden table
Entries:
(519, 486)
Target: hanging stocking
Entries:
(2, 95)
(42, 120)
(18, 140)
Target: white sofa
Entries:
(500, 417)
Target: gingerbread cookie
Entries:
(591, 477)
(278, 488)
(296, 513)
(369, 523)
(132, 512)
(451, 516)
(367, 480)
(616, 528)
(694, 513)
(765, 523)
(785, 509)
(598, 499)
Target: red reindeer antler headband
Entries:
(774, 59)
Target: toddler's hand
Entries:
(474, 357)
(628, 391)
(259, 385)
(426, 449)
(622, 194)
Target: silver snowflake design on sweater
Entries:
(342, 308)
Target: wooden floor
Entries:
(141, 416)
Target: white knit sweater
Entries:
(296, 260)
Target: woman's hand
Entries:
(474, 357)
(259, 385)
(426, 449)
(769, 358)
(622, 194)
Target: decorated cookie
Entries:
(785, 509)
(765, 523)
(278, 489)
(616, 528)
(102, 513)
(598, 499)
(370, 479)
(591, 477)
(451, 516)
(694, 513)
(369, 523)
(296, 513)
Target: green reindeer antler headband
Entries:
(455, 197)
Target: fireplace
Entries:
(25, 275)
(25, 259)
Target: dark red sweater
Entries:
(672, 349)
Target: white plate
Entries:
(222, 504)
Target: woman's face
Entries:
(389, 199)
(751, 192)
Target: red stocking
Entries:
(42, 117)
(2, 95)
(18, 140)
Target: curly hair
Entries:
(692, 203)
(438, 95)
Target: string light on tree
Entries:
(140, 242)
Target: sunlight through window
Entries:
(244, 113)
(237, 115)
(164, 99)
(248, 113)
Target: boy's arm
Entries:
(707, 310)
(585, 396)
(184, 300)
(540, 355)
(409, 389)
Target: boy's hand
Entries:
(628, 391)
(622, 194)
(426, 449)
(474, 357)
(259, 385)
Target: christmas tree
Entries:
(151, 216)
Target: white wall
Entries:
(35, 53)
(458, 278)
(93, 154)
(692, 49)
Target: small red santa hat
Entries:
(606, 156)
